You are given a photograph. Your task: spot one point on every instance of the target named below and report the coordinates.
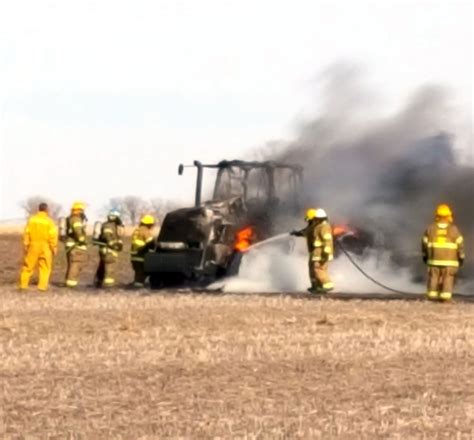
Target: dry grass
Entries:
(11, 255)
(11, 229)
(122, 365)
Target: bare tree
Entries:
(30, 206)
(134, 207)
(160, 207)
(131, 207)
(113, 203)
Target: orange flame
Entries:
(340, 230)
(244, 239)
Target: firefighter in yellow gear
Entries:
(40, 241)
(110, 245)
(75, 243)
(319, 239)
(142, 241)
(443, 253)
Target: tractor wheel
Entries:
(155, 282)
(233, 267)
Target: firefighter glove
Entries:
(461, 262)
(117, 247)
(296, 233)
(425, 259)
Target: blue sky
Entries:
(105, 98)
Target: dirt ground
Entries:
(134, 365)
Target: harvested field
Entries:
(133, 365)
(11, 254)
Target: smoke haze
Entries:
(384, 174)
(283, 267)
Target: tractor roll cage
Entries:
(269, 167)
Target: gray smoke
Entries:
(283, 267)
(385, 173)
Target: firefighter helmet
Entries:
(113, 213)
(318, 213)
(78, 206)
(310, 214)
(148, 220)
(443, 210)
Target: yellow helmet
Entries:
(310, 214)
(444, 211)
(313, 213)
(78, 206)
(147, 220)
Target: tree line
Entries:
(131, 207)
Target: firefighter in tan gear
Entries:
(142, 241)
(443, 253)
(110, 244)
(40, 241)
(75, 243)
(319, 239)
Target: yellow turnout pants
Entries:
(319, 274)
(76, 258)
(105, 275)
(441, 281)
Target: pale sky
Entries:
(105, 98)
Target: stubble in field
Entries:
(130, 366)
(127, 365)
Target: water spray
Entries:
(268, 241)
(363, 272)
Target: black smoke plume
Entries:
(386, 174)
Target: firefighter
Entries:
(110, 244)
(443, 253)
(75, 243)
(319, 238)
(40, 241)
(142, 241)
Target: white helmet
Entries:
(320, 213)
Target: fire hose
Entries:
(363, 272)
(339, 244)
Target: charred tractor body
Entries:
(250, 203)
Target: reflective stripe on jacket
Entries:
(141, 238)
(76, 233)
(443, 245)
(110, 240)
(319, 240)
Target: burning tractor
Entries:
(250, 203)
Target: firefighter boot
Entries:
(445, 296)
(432, 295)
(326, 287)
